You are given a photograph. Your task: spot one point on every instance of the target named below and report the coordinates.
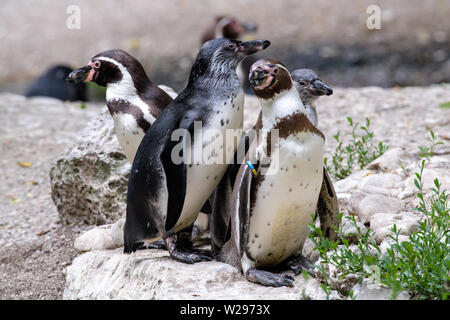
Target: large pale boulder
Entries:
(89, 181)
(391, 160)
(151, 274)
(366, 205)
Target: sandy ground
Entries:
(35, 247)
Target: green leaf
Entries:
(445, 105)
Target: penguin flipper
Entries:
(328, 208)
(175, 176)
(220, 227)
(241, 208)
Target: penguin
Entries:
(231, 28)
(132, 99)
(310, 87)
(261, 221)
(52, 84)
(166, 189)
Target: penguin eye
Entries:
(275, 71)
(97, 64)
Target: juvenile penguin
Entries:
(231, 28)
(310, 87)
(165, 193)
(132, 99)
(269, 211)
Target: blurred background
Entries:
(411, 48)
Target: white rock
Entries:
(391, 160)
(117, 230)
(382, 223)
(428, 176)
(308, 250)
(380, 220)
(366, 205)
(151, 274)
(350, 231)
(373, 291)
(89, 181)
(95, 239)
(387, 243)
(382, 183)
(345, 185)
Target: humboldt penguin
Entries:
(262, 220)
(172, 174)
(231, 28)
(132, 99)
(310, 87)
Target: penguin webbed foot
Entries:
(189, 256)
(180, 251)
(269, 279)
(297, 264)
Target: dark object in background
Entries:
(52, 83)
(227, 27)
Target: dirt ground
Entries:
(34, 246)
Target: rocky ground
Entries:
(36, 248)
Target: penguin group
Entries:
(189, 154)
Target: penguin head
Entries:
(218, 56)
(309, 85)
(269, 77)
(109, 67)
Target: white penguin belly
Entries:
(128, 133)
(204, 175)
(286, 200)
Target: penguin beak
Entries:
(79, 75)
(319, 88)
(250, 47)
(257, 77)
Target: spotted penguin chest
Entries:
(284, 200)
(216, 151)
(128, 133)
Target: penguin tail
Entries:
(139, 228)
(130, 245)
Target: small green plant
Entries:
(420, 265)
(360, 150)
(445, 105)
(428, 152)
